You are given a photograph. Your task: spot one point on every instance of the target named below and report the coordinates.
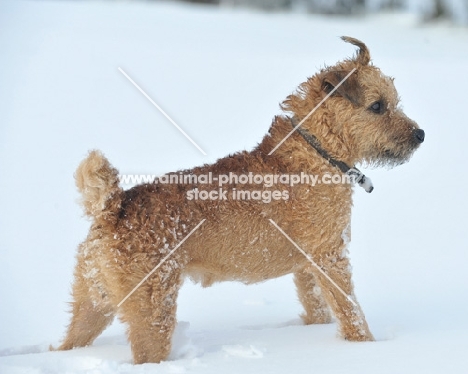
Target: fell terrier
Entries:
(133, 230)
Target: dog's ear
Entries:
(363, 55)
(349, 89)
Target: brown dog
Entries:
(240, 232)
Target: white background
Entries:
(221, 74)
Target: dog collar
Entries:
(356, 175)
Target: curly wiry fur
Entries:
(133, 230)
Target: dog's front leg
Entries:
(351, 320)
(310, 295)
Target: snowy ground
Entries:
(220, 75)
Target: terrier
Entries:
(144, 241)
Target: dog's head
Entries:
(359, 119)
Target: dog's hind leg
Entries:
(310, 295)
(86, 325)
(91, 313)
(151, 316)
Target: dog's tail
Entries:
(98, 183)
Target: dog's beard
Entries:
(390, 158)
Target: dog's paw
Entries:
(359, 336)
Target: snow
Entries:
(220, 74)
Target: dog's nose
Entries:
(418, 135)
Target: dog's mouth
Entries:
(395, 157)
(402, 150)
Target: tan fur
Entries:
(134, 229)
(98, 182)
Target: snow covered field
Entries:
(221, 74)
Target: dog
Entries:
(145, 240)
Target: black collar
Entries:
(355, 174)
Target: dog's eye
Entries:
(377, 107)
(327, 87)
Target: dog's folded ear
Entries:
(349, 89)
(363, 55)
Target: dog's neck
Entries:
(353, 172)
